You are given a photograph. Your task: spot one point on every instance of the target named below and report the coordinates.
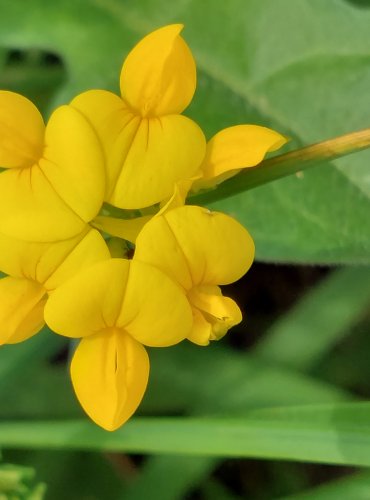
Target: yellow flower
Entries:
(151, 149)
(233, 149)
(116, 306)
(34, 271)
(199, 250)
(148, 145)
(138, 153)
(54, 180)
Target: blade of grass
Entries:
(324, 315)
(337, 434)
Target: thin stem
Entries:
(286, 164)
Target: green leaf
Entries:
(337, 434)
(248, 72)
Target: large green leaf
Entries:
(300, 66)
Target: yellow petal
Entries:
(214, 314)
(128, 229)
(110, 373)
(31, 324)
(124, 294)
(20, 313)
(155, 310)
(90, 301)
(73, 162)
(195, 246)
(235, 148)
(146, 157)
(21, 131)
(20, 258)
(157, 245)
(115, 125)
(51, 263)
(164, 151)
(55, 198)
(159, 75)
(31, 210)
(201, 331)
(79, 255)
(178, 197)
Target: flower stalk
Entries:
(287, 164)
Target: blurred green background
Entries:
(303, 68)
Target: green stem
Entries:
(286, 164)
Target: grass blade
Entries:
(337, 434)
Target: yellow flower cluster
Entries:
(134, 155)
